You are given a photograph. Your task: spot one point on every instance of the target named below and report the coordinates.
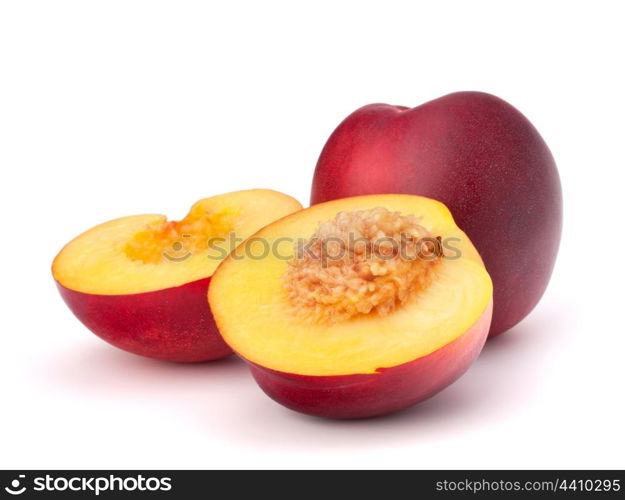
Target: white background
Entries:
(121, 107)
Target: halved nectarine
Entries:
(140, 282)
(355, 307)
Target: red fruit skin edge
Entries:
(173, 324)
(483, 159)
(370, 395)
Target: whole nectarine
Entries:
(479, 156)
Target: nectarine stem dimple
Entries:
(361, 262)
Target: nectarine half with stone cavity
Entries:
(140, 282)
(355, 307)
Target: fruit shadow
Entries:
(500, 385)
(222, 396)
(98, 371)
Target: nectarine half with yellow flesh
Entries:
(140, 282)
(356, 307)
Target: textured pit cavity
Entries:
(361, 262)
(176, 240)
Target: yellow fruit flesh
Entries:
(145, 253)
(257, 320)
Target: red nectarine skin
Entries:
(480, 157)
(387, 391)
(173, 324)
